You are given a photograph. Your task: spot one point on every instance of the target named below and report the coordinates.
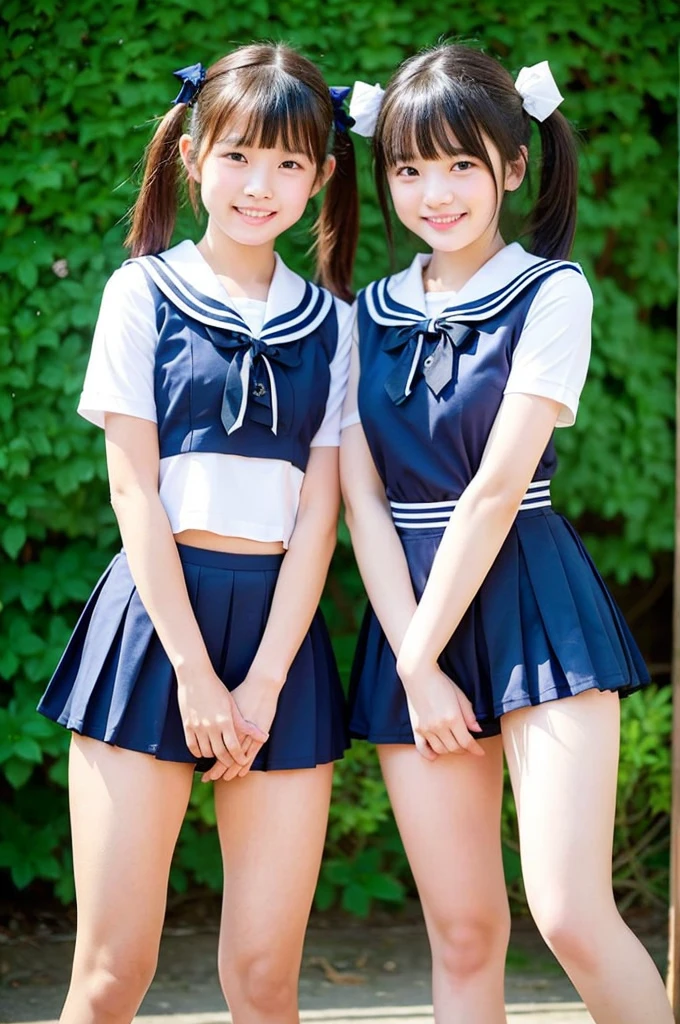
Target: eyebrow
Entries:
(231, 140)
(454, 152)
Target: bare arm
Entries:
(471, 542)
(211, 721)
(479, 525)
(296, 598)
(376, 545)
(385, 573)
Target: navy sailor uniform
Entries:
(543, 624)
(218, 388)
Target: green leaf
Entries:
(13, 539)
(17, 772)
(28, 750)
(356, 900)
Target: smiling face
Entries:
(451, 200)
(253, 194)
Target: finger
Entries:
(467, 742)
(191, 741)
(219, 749)
(424, 748)
(436, 744)
(244, 727)
(204, 745)
(215, 773)
(232, 743)
(446, 736)
(468, 713)
(252, 729)
(236, 770)
(255, 750)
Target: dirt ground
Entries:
(352, 971)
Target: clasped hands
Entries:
(229, 726)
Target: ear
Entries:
(187, 154)
(325, 174)
(516, 171)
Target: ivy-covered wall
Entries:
(82, 83)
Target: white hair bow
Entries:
(365, 106)
(538, 90)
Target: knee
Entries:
(115, 989)
(465, 947)
(573, 937)
(264, 982)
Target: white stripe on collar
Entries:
(293, 310)
(400, 300)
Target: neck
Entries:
(246, 270)
(449, 271)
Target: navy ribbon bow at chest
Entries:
(251, 380)
(431, 346)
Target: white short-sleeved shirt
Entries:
(231, 495)
(551, 357)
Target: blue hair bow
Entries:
(341, 119)
(192, 78)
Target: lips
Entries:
(254, 214)
(449, 218)
(444, 221)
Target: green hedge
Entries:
(81, 84)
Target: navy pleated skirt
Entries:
(542, 626)
(115, 683)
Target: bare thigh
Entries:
(126, 813)
(563, 763)
(272, 827)
(448, 813)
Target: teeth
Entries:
(255, 214)
(445, 220)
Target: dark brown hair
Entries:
(282, 99)
(454, 95)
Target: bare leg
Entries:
(126, 812)
(448, 813)
(563, 759)
(272, 828)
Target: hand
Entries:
(256, 699)
(441, 715)
(213, 724)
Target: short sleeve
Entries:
(350, 411)
(120, 372)
(552, 354)
(328, 434)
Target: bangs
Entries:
(273, 110)
(432, 118)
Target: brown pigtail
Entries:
(155, 211)
(337, 228)
(552, 222)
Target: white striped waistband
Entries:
(425, 515)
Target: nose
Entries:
(437, 192)
(258, 187)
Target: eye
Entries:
(291, 165)
(463, 165)
(238, 158)
(406, 172)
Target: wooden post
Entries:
(673, 978)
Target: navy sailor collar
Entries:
(294, 307)
(399, 300)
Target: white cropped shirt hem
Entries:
(231, 495)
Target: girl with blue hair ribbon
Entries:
(218, 375)
(490, 630)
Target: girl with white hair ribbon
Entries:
(490, 631)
